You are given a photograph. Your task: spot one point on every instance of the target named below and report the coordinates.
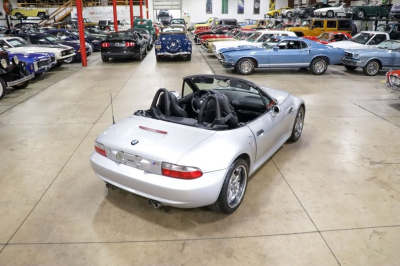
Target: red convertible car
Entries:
(393, 81)
(229, 34)
(328, 37)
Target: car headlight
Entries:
(35, 66)
(16, 60)
(3, 63)
(394, 80)
(356, 56)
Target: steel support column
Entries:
(115, 15)
(131, 11)
(147, 9)
(81, 32)
(141, 8)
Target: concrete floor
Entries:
(332, 198)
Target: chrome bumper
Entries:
(351, 62)
(19, 81)
(174, 54)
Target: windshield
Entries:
(324, 36)
(17, 43)
(177, 21)
(270, 43)
(390, 45)
(254, 36)
(362, 37)
(384, 28)
(223, 83)
(305, 23)
(174, 29)
(121, 35)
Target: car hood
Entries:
(34, 56)
(169, 147)
(240, 48)
(367, 49)
(347, 45)
(220, 45)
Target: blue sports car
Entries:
(36, 63)
(282, 52)
(172, 42)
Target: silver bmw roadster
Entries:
(198, 149)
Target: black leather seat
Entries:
(217, 111)
(164, 107)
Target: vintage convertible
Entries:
(13, 73)
(367, 11)
(173, 42)
(385, 56)
(393, 81)
(329, 37)
(282, 52)
(198, 150)
(332, 11)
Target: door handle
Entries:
(260, 132)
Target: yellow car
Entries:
(276, 13)
(20, 13)
(260, 24)
(209, 22)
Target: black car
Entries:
(146, 35)
(69, 35)
(123, 44)
(13, 74)
(308, 11)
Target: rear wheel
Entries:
(24, 84)
(289, 14)
(42, 15)
(158, 57)
(233, 188)
(3, 88)
(330, 14)
(245, 66)
(105, 59)
(298, 125)
(360, 14)
(189, 57)
(350, 67)
(318, 66)
(371, 68)
(18, 15)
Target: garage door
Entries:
(167, 4)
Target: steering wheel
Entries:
(198, 99)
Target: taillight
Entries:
(129, 44)
(99, 148)
(105, 44)
(179, 171)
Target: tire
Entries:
(158, 57)
(245, 66)
(233, 188)
(298, 125)
(360, 14)
(140, 56)
(319, 65)
(149, 47)
(3, 88)
(42, 15)
(371, 68)
(189, 58)
(330, 14)
(105, 59)
(70, 60)
(276, 15)
(25, 84)
(306, 15)
(350, 67)
(58, 65)
(18, 15)
(289, 14)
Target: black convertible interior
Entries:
(210, 102)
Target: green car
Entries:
(145, 24)
(363, 12)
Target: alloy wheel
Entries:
(298, 127)
(372, 68)
(237, 186)
(246, 66)
(319, 66)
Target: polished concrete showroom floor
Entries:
(332, 198)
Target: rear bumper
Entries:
(175, 192)
(124, 54)
(173, 54)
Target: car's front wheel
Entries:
(289, 14)
(18, 15)
(3, 88)
(371, 68)
(330, 14)
(245, 66)
(25, 84)
(360, 14)
(318, 66)
(298, 125)
(233, 188)
(189, 57)
(42, 15)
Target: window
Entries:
(331, 24)
(339, 37)
(224, 6)
(378, 39)
(303, 45)
(264, 37)
(289, 45)
(318, 24)
(186, 90)
(344, 25)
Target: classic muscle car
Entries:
(385, 56)
(281, 52)
(332, 11)
(371, 10)
(123, 44)
(276, 13)
(67, 35)
(308, 11)
(256, 39)
(44, 40)
(241, 36)
(36, 63)
(329, 37)
(362, 40)
(19, 45)
(284, 26)
(198, 150)
(173, 42)
(12, 73)
(393, 81)
(21, 13)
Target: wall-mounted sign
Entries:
(256, 9)
(209, 7)
(240, 7)
(7, 6)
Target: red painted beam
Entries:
(115, 15)
(141, 8)
(131, 11)
(147, 9)
(81, 32)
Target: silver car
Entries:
(383, 57)
(198, 150)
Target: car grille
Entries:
(67, 52)
(347, 54)
(44, 62)
(53, 59)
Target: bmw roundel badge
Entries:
(134, 142)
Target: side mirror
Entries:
(275, 48)
(275, 110)
(176, 94)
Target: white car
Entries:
(198, 150)
(287, 13)
(362, 40)
(256, 39)
(19, 45)
(331, 12)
